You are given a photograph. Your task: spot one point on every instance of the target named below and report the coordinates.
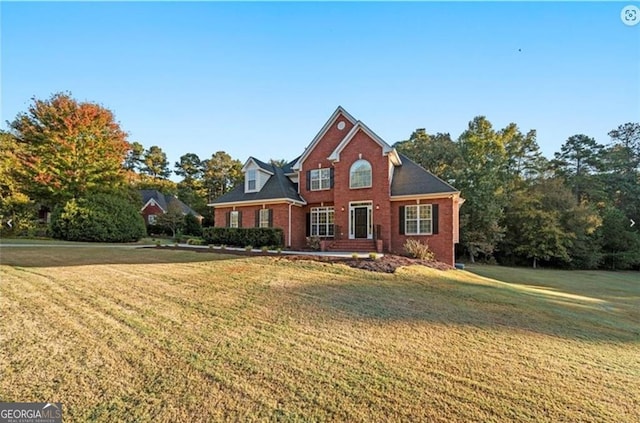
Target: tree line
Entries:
(573, 211)
(65, 156)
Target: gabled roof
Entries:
(359, 126)
(277, 187)
(262, 165)
(412, 179)
(323, 130)
(163, 201)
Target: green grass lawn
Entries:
(163, 335)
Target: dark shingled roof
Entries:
(164, 200)
(278, 186)
(413, 179)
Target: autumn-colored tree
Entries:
(67, 149)
(16, 208)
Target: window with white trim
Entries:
(322, 221)
(418, 220)
(233, 219)
(264, 218)
(320, 179)
(360, 174)
(152, 219)
(251, 180)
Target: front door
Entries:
(361, 223)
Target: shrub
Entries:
(417, 249)
(195, 241)
(191, 226)
(248, 248)
(98, 218)
(313, 242)
(241, 237)
(373, 256)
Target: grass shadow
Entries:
(83, 255)
(459, 298)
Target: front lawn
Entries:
(155, 334)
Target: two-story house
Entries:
(351, 189)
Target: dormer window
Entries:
(360, 174)
(251, 180)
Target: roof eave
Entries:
(258, 202)
(425, 196)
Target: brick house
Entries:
(155, 203)
(351, 189)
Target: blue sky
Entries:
(261, 79)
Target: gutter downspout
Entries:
(289, 235)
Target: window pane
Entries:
(425, 212)
(360, 175)
(411, 212)
(425, 226)
(411, 227)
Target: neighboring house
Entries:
(156, 203)
(351, 189)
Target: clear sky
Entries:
(261, 79)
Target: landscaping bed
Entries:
(384, 264)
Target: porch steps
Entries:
(353, 245)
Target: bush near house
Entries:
(98, 218)
(241, 237)
(417, 249)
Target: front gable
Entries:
(326, 140)
(256, 175)
(358, 129)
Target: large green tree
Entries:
(191, 189)
(67, 149)
(482, 181)
(436, 153)
(155, 163)
(580, 157)
(221, 173)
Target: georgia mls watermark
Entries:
(30, 412)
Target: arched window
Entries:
(360, 174)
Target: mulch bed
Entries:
(385, 264)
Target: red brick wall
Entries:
(363, 146)
(441, 244)
(318, 155)
(280, 216)
(151, 209)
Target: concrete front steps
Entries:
(353, 245)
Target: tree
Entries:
(221, 174)
(524, 159)
(173, 219)
(579, 157)
(626, 143)
(189, 167)
(278, 162)
(620, 243)
(621, 175)
(98, 218)
(482, 181)
(133, 160)
(17, 211)
(155, 163)
(67, 149)
(436, 153)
